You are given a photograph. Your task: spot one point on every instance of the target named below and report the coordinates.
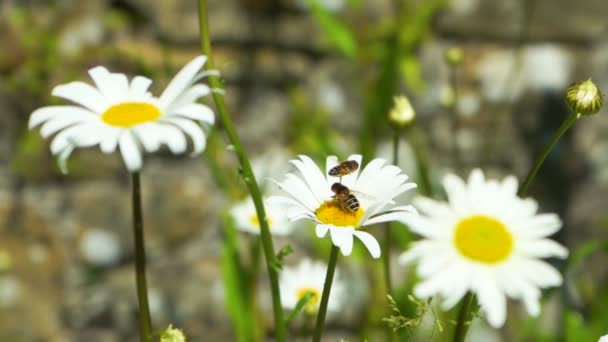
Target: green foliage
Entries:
(285, 251)
(236, 282)
(310, 128)
(300, 305)
(338, 34)
(398, 320)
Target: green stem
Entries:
(418, 145)
(463, 317)
(523, 190)
(329, 278)
(387, 236)
(145, 324)
(247, 175)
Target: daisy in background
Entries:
(309, 277)
(246, 218)
(485, 240)
(309, 195)
(116, 113)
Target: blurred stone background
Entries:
(65, 246)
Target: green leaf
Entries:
(583, 251)
(337, 32)
(299, 307)
(235, 295)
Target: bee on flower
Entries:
(313, 194)
(485, 240)
(117, 113)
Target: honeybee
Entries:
(345, 198)
(344, 168)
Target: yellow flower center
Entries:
(130, 114)
(256, 222)
(332, 212)
(312, 305)
(483, 239)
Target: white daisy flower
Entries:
(246, 218)
(603, 339)
(118, 113)
(376, 186)
(485, 240)
(309, 277)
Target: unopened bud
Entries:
(402, 114)
(172, 335)
(584, 98)
(454, 55)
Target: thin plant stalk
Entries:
(329, 278)
(462, 325)
(418, 145)
(145, 323)
(246, 174)
(523, 190)
(387, 235)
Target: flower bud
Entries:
(454, 55)
(402, 114)
(584, 98)
(172, 335)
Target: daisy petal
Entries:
(181, 81)
(109, 141)
(106, 83)
(44, 114)
(148, 134)
(321, 230)
(196, 112)
(130, 152)
(82, 94)
(544, 248)
(60, 122)
(492, 301)
(139, 86)
(173, 138)
(342, 237)
(370, 242)
(194, 131)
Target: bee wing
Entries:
(366, 196)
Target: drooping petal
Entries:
(149, 135)
(370, 242)
(321, 230)
(109, 141)
(492, 301)
(82, 135)
(130, 152)
(342, 237)
(173, 138)
(60, 122)
(194, 131)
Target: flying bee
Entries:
(348, 202)
(344, 168)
